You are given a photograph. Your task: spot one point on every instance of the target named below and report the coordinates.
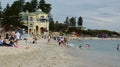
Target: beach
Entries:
(44, 54)
(41, 54)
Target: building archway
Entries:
(37, 30)
(24, 29)
(30, 30)
(42, 30)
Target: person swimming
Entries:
(118, 47)
(88, 45)
(80, 46)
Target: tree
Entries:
(67, 24)
(80, 21)
(1, 14)
(44, 6)
(41, 4)
(6, 15)
(21, 5)
(67, 21)
(28, 7)
(34, 5)
(73, 22)
(51, 26)
(11, 14)
(50, 17)
(60, 27)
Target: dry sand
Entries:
(41, 54)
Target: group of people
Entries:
(10, 38)
(61, 41)
(87, 46)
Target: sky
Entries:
(96, 14)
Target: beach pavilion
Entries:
(35, 22)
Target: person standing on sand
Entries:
(17, 36)
(62, 41)
(49, 38)
(59, 41)
(65, 41)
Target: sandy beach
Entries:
(41, 54)
(45, 54)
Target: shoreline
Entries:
(92, 38)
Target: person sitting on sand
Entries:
(34, 40)
(12, 43)
(62, 41)
(1, 41)
(7, 35)
(12, 35)
(7, 42)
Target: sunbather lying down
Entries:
(7, 42)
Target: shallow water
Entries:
(102, 53)
(105, 46)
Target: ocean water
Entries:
(102, 53)
(105, 46)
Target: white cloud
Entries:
(97, 14)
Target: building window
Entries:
(42, 17)
(24, 19)
(42, 20)
(31, 25)
(31, 18)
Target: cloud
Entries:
(97, 14)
